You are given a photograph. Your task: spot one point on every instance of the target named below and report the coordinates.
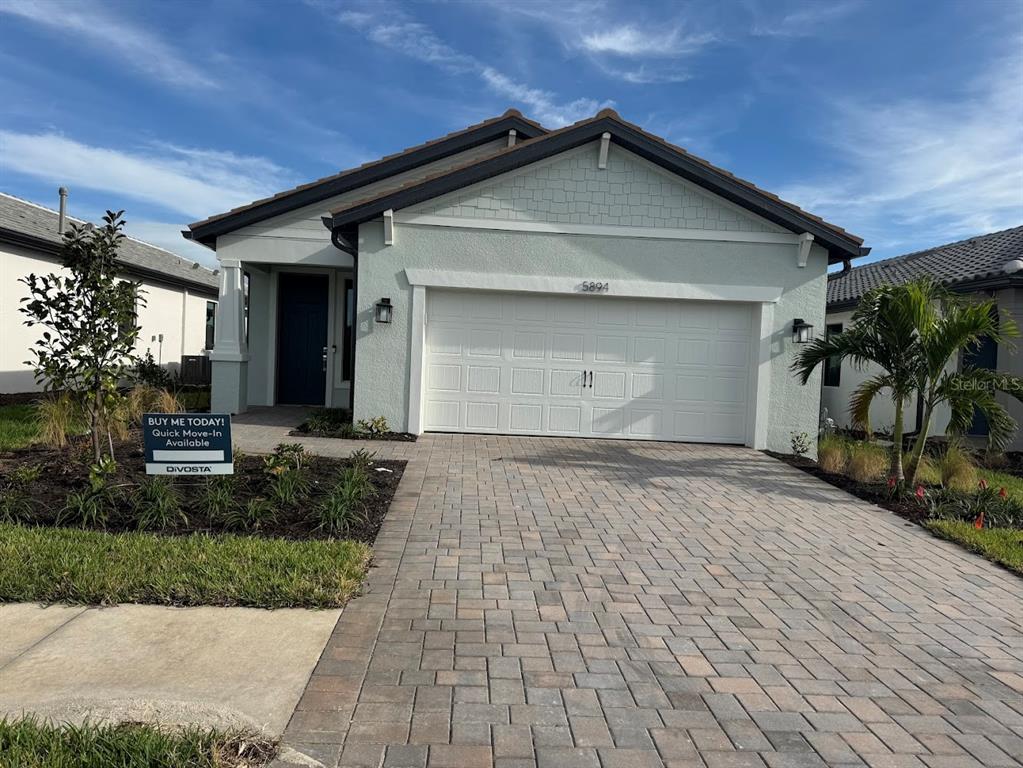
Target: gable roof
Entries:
(841, 245)
(34, 226)
(977, 262)
(207, 230)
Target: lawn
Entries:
(30, 743)
(1002, 545)
(18, 426)
(99, 568)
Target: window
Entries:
(211, 323)
(832, 366)
(349, 334)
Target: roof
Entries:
(840, 244)
(975, 262)
(34, 226)
(207, 230)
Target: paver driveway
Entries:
(546, 602)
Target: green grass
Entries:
(18, 426)
(32, 743)
(1013, 485)
(1002, 545)
(96, 568)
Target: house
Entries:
(180, 296)
(985, 266)
(589, 281)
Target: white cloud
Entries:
(805, 21)
(633, 42)
(168, 236)
(938, 169)
(394, 31)
(114, 36)
(193, 182)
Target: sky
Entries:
(900, 120)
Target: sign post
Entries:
(187, 443)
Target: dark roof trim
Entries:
(839, 246)
(206, 232)
(991, 283)
(51, 248)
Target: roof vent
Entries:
(1012, 266)
(62, 215)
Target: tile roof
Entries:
(40, 223)
(511, 113)
(965, 261)
(603, 114)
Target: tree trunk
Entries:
(896, 471)
(97, 409)
(918, 447)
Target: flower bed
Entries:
(337, 423)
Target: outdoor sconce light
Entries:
(383, 311)
(802, 331)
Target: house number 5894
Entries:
(591, 286)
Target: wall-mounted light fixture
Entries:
(384, 310)
(802, 331)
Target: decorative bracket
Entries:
(805, 241)
(605, 141)
(389, 227)
(512, 136)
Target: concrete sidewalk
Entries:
(219, 667)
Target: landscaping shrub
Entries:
(16, 504)
(150, 373)
(59, 417)
(985, 506)
(832, 454)
(250, 516)
(868, 462)
(344, 506)
(288, 488)
(800, 442)
(958, 471)
(156, 504)
(362, 458)
(374, 427)
(216, 496)
(927, 472)
(91, 506)
(328, 419)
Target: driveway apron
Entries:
(557, 602)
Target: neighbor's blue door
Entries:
(301, 338)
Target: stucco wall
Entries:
(382, 362)
(167, 310)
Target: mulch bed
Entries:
(875, 493)
(402, 437)
(63, 471)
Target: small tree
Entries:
(91, 325)
(913, 333)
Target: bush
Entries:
(91, 506)
(374, 427)
(216, 496)
(868, 462)
(800, 442)
(59, 417)
(250, 516)
(832, 454)
(958, 471)
(985, 506)
(362, 458)
(151, 373)
(156, 504)
(287, 488)
(344, 506)
(328, 420)
(16, 503)
(928, 472)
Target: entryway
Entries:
(302, 317)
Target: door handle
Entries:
(591, 379)
(324, 358)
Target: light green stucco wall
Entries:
(383, 351)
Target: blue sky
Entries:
(901, 121)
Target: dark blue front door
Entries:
(984, 355)
(301, 338)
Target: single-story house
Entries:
(985, 266)
(593, 280)
(180, 296)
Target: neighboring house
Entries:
(984, 266)
(180, 296)
(588, 281)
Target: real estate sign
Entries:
(187, 443)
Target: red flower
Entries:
(892, 482)
(1002, 493)
(920, 492)
(983, 484)
(979, 522)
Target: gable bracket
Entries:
(605, 141)
(389, 227)
(805, 241)
(512, 136)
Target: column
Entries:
(230, 355)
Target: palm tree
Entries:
(912, 332)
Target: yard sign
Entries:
(187, 443)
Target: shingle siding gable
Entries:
(571, 189)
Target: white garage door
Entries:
(588, 366)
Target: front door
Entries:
(301, 338)
(983, 355)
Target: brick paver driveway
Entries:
(546, 602)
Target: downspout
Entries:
(342, 244)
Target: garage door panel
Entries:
(662, 370)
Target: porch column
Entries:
(230, 355)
